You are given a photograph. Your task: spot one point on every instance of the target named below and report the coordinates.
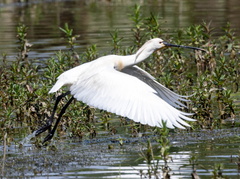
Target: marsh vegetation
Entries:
(211, 79)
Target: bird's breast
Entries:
(119, 65)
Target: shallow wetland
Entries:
(95, 144)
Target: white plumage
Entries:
(115, 84)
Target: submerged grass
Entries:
(212, 78)
(157, 164)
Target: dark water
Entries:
(94, 159)
(93, 21)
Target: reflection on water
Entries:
(93, 158)
(93, 20)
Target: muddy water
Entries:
(95, 159)
(92, 158)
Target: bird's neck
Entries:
(129, 60)
(138, 57)
(143, 53)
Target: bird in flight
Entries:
(116, 84)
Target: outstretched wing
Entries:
(128, 96)
(167, 95)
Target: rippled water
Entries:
(94, 159)
(94, 20)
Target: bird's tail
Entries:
(56, 87)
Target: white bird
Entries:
(114, 83)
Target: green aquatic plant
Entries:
(193, 161)
(157, 160)
(138, 29)
(90, 54)
(148, 156)
(217, 171)
(211, 78)
(71, 39)
(116, 41)
(153, 28)
(24, 44)
(164, 144)
(238, 162)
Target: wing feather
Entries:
(167, 95)
(130, 97)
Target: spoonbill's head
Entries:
(158, 43)
(154, 44)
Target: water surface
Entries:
(93, 21)
(94, 159)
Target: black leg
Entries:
(50, 135)
(48, 125)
